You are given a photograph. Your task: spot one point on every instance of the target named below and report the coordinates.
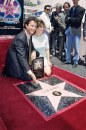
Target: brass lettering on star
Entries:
(57, 93)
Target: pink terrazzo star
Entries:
(49, 91)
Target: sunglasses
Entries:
(48, 9)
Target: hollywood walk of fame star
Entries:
(38, 64)
(48, 90)
(9, 10)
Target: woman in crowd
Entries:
(41, 44)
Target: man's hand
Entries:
(33, 55)
(33, 76)
(84, 38)
(52, 28)
(56, 18)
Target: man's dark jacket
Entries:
(76, 20)
(17, 57)
(54, 23)
(84, 27)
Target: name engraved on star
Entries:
(45, 91)
(56, 93)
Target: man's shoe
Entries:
(74, 65)
(66, 62)
(53, 53)
(59, 57)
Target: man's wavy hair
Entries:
(29, 19)
(67, 4)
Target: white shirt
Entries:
(41, 44)
(46, 19)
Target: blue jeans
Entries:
(72, 41)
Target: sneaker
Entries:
(57, 51)
(53, 53)
(74, 65)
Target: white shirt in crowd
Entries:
(46, 19)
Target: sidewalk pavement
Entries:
(79, 70)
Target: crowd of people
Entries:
(54, 32)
